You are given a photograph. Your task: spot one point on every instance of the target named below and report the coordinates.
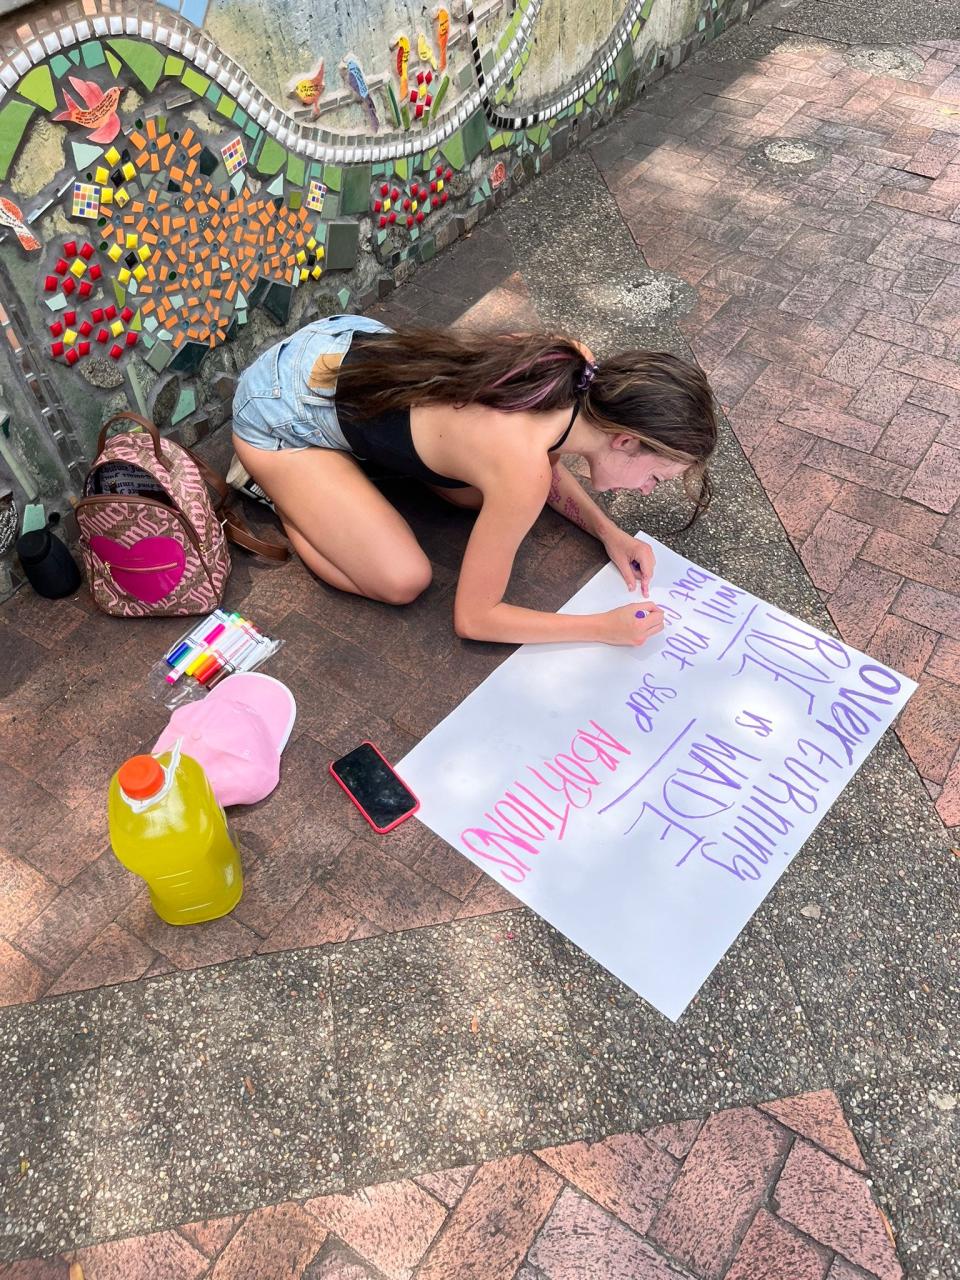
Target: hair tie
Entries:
(588, 375)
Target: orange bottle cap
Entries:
(140, 777)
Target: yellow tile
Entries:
(316, 273)
(439, 184)
(116, 328)
(129, 171)
(114, 253)
(386, 206)
(139, 272)
(106, 195)
(123, 276)
(70, 337)
(144, 253)
(320, 251)
(101, 175)
(311, 243)
(415, 206)
(112, 156)
(131, 241)
(78, 268)
(121, 197)
(301, 257)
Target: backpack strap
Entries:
(234, 526)
(128, 416)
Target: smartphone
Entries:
(374, 788)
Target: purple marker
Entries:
(640, 614)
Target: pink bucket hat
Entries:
(236, 733)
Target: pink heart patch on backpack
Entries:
(148, 571)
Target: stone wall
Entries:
(180, 182)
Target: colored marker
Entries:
(640, 614)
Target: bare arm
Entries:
(568, 496)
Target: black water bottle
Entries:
(50, 568)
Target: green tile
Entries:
(60, 65)
(74, 56)
(213, 94)
(402, 168)
(592, 96)
(114, 63)
(173, 67)
(144, 60)
(453, 150)
(14, 118)
(635, 30)
(439, 96)
(275, 188)
(475, 134)
(84, 155)
(623, 63)
(646, 10)
(186, 404)
(92, 54)
(394, 105)
(295, 199)
(296, 171)
(355, 196)
(195, 82)
(538, 135)
(344, 296)
(405, 116)
(37, 86)
(270, 158)
(159, 356)
(343, 241)
(226, 107)
(332, 177)
(240, 118)
(252, 130)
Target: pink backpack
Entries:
(153, 543)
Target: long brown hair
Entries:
(663, 401)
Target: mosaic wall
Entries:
(163, 215)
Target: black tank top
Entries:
(386, 439)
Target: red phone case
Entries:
(382, 831)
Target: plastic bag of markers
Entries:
(186, 689)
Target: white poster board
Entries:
(645, 801)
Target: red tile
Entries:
(281, 877)
(676, 1139)
(339, 1263)
(579, 1241)
(791, 384)
(272, 1244)
(448, 869)
(37, 1269)
(802, 502)
(778, 455)
(883, 394)
(912, 559)
(945, 662)
(831, 549)
(165, 1253)
(62, 930)
(390, 1226)
(387, 892)
(942, 312)
(780, 350)
(448, 1185)
(20, 979)
(211, 1235)
(810, 295)
(819, 1117)
(893, 514)
(936, 483)
(753, 417)
(855, 360)
(842, 428)
(485, 898)
(200, 944)
(626, 1174)
(851, 464)
(861, 601)
(948, 802)
(489, 1232)
(928, 367)
(24, 893)
(317, 917)
(903, 645)
(832, 1204)
(722, 1184)
(113, 956)
(733, 376)
(929, 727)
(910, 434)
(931, 159)
(938, 610)
(770, 1248)
(902, 333)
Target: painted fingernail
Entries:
(640, 614)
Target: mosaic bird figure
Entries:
(424, 52)
(443, 34)
(12, 216)
(99, 110)
(402, 46)
(354, 78)
(308, 87)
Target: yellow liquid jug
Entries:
(167, 827)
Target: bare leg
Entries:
(340, 525)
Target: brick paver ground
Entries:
(828, 319)
(756, 1193)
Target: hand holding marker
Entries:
(221, 644)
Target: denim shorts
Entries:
(275, 407)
